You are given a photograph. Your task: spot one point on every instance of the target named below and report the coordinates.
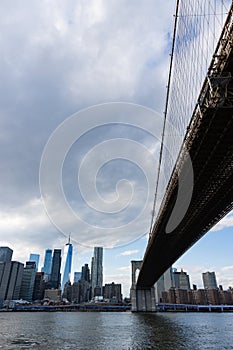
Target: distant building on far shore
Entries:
(68, 254)
(55, 276)
(209, 280)
(47, 262)
(28, 281)
(181, 280)
(35, 258)
(11, 273)
(112, 292)
(5, 254)
(53, 295)
(97, 272)
(77, 276)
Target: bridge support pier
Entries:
(142, 299)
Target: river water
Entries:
(116, 330)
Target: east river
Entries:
(115, 330)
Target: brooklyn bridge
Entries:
(198, 189)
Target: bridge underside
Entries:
(210, 146)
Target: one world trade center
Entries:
(68, 252)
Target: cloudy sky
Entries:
(58, 59)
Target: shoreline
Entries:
(170, 308)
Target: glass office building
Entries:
(68, 253)
(35, 258)
(47, 262)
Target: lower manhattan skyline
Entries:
(124, 271)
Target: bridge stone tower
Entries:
(143, 300)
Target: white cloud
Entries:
(227, 268)
(226, 222)
(225, 276)
(124, 268)
(29, 215)
(129, 252)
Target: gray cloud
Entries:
(57, 58)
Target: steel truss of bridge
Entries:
(209, 143)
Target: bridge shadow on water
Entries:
(157, 331)
(182, 331)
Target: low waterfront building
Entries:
(200, 297)
(181, 296)
(172, 295)
(191, 298)
(112, 292)
(53, 295)
(213, 296)
(225, 297)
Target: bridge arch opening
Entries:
(135, 269)
(136, 274)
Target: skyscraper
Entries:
(35, 258)
(85, 274)
(164, 283)
(55, 277)
(11, 273)
(39, 287)
(5, 254)
(184, 280)
(68, 253)
(97, 271)
(84, 285)
(168, 279)
(209, 280)
(47, 262)
(28, 281)
(77, 276)
(181, 280)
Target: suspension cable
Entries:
(165, 117)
